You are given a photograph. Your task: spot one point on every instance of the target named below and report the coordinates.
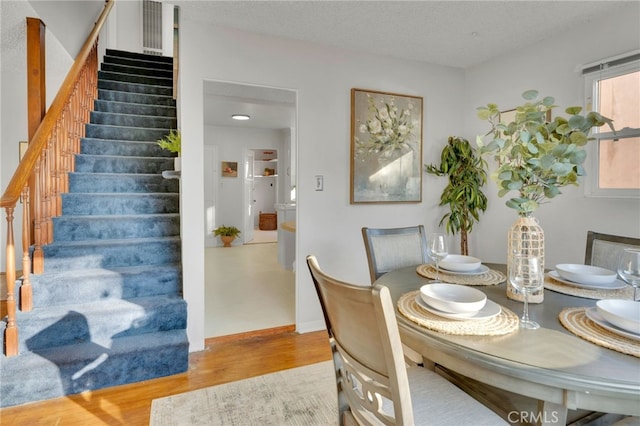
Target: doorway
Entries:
(246, 288)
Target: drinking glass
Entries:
(629, 269)
(526, 276)
(437, 249)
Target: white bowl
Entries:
(586, 274)
(453, 298)
(460, 263)
(621, 313)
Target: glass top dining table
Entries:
(550, 364)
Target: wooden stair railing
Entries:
(49, 157)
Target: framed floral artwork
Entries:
(386, 147)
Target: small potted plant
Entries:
(172, 142)
(227, 234)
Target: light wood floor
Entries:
(223, 360)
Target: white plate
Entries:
(586, 274)
(481, 270)
(453, 298)
(593, 315)
(617, 284)
(490, 310)
(460, 263)
(624, 314)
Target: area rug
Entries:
(301, 396)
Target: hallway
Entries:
(246, 289)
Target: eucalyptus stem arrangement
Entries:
(537, 155)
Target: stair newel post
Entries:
(11, 332)
(26, 299)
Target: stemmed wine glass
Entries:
(629, 269)
(526, 276)
(437, 249)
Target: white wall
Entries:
(328, 226)
(550, 67)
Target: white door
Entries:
(249, 198)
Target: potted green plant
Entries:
(227, 234)
(172, 142)
(467, 175)
(536, 156)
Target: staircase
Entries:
(109, 309)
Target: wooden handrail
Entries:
(48, 159)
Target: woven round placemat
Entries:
(490, 277)
(503, 323)
(576, 321)
(551, 283)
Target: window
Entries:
(613, 89)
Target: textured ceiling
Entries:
(451, 33)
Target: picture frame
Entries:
(386, 147)
(229, 169)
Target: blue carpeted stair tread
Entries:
(138, 98)
(102, 131)
(120, 164)
(93, 146)
(135, 78)
(78, 203)
(134, 108)
(133, 120)
(121, 182)
(99, 321)
(138, 68)
(85, 228)
(124, 86)
(140, 63)
(71, 369)
(90, 285)
(67, 255)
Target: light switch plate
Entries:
(319, 182)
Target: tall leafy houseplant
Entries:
(537, 156)
(467, 175)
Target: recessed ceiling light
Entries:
(240, 117)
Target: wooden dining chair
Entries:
(373, 379)
(604, 249)
(393, 248)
